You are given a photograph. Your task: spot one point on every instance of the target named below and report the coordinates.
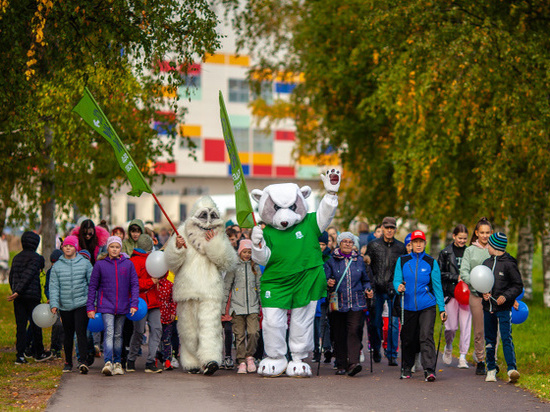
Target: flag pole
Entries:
(165, 215)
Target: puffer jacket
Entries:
(69, 280)
(351, 292)
(383, 257)
(508, 282)
(422, 278)
(148, 290)
(128, 245)
(114, 287)
(244, 287)
(25, 270)
(449, 271)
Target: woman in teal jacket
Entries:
(69, 279)
(420, 273)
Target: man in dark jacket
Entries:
(26, 294)
(383, 254)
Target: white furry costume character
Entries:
(198, 285)
(294, 277)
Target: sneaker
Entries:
(210, 368)
(376, 357)
(130, 366)
(513, 375)
(480, 368)
(447, 356)
(175, 363)
(67, 368)
(242, 368)
(229, 364)
(118, 370)
(354, 369)
(168, 365)
(20, 360)
(28, 353)
(429, 376)
(462, 364)
(406, 374)
(250, 365)
(491, 376)
(361, 356)
(83, 368)
(107, 369)
(152, 368)
(44, 356)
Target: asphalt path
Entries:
(454, 390)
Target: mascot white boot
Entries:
(294, 277)
(198, 285)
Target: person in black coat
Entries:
(26, 294)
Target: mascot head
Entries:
(282, 205)
(204, 216)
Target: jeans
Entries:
(75, 320)
(22, 309)
(393, 332)
(491, 324)
(112, 337)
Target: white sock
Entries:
(462, 356)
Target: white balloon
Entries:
(42, 316)
(156, 264)
(482, 279)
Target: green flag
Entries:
(245, 213)
(89, 110)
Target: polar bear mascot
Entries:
(197, 257)
(294, 277)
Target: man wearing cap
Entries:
(383, 254)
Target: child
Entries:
(114, 283)
(135, 230)
(69, 281)
(149, 293)
(244, 285)
(24, 281)
(57, 328)
(497, 311)
(167, 317)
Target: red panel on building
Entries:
(214, 150)
(164, 168)
(170, 116)
(285, 171)
(285, 135)
(261, 170)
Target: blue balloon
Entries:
(141, 312)
(96, 324)
(520, 297)
(520, 315)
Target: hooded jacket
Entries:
(69, 281)
(244, 287)
(383, 257)
(508, 282)
(25, 270)
(128, 245)
(114, 287)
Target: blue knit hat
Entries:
(408, 239)
(498, 241)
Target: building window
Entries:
(183, 212)
(266, 92)
(238, 91)
(157, 213)
(130, 211)
(191, 143)
(263, 142)
(242, 139)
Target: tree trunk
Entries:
(47, 192)
(546, 265)
(526, 249)
(435, 244)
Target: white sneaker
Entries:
(361, 357)
(447, 356)
(250, 365)
(462, 364)
(491, 376)
(513, 375)
(107, 369)
(242, 368)
(175, 363)
(118, 369)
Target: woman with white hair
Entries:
(348, 278)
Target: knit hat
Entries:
(324, 238)
(408, 239)
(70, 240)
(498, 241)
(114, 239)
(145, 242)
(86, 254)
(345, 235)
(55, 255)
(244, 244)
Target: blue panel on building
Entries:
(163, 128)
(246, 169)
(284, 87)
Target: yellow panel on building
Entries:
(239, 60)
(218, 58)
(171, 92)
(322, 160)
(245, 158)
(190, 130)
(262, 159)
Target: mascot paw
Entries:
(257, 236)
(272, 367)
(210, 368)
(331, 180)
(298, 369)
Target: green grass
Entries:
(26, 387)
(531, 340)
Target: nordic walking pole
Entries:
(390, 330)
(367, 318)
(438, 345)
(401, 334)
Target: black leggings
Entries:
(75, 320)
(228, 332)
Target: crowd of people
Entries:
(376, 285)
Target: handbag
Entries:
(333, 296)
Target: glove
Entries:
(331, 180)
(257, 236)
